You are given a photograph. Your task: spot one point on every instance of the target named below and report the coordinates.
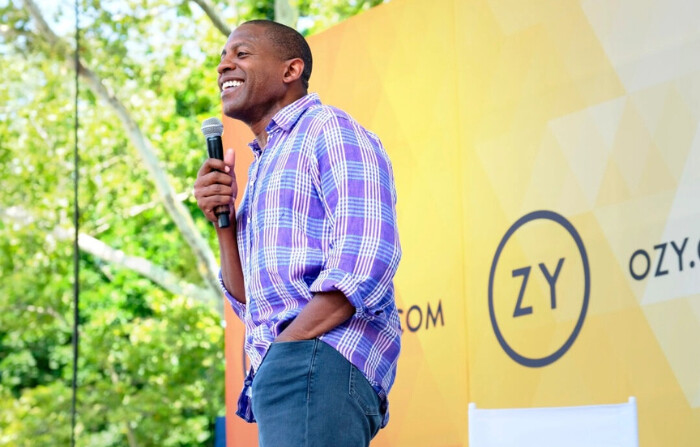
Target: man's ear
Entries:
(293, 71)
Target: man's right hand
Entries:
(216, 185)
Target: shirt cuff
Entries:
(354, 290)
(238, 307)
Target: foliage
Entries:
(321, 14)
(151, 363)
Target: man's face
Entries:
(250, 75)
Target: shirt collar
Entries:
(286, 117)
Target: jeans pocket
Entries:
(281, 356)
(362, 392)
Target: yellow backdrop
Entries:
(547, 162)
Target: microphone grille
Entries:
(212, 127)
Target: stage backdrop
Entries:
(547, 160)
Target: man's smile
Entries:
(230, 85)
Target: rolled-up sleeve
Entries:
(238, 307)
(356, 186)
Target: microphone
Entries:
(212, 130)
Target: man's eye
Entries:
(241, 54)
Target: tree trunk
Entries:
(206, 262)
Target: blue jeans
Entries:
(306, 394)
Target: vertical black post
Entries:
(76, 247)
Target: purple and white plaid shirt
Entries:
(318, 215)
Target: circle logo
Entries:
(539, 288)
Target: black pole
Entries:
(76, 247)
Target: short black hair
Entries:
(290, 44)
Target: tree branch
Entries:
(210, 10)
(101, 225)
(206, 262)
(46, 310)
(142, 266)
(130, 435)
(286, 13)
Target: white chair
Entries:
(613, 425)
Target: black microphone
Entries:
(212, 130)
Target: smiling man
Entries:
(308, 264)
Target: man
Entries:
(309, 260)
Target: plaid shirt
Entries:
(318, 215)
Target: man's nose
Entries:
(225, 65)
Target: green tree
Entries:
(151, 353)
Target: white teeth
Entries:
(229, 84)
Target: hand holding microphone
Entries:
(215, 188)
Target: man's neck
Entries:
(259, 128)
(261, 138)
